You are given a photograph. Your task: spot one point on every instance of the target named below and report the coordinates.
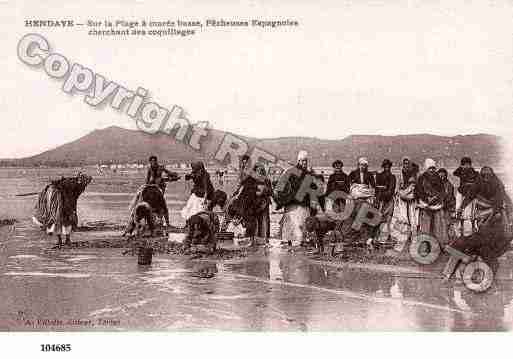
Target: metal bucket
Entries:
(145, 256)
(225, 236)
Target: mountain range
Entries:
(119, 145)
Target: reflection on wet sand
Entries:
(271, 290)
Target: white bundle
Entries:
(359, 190)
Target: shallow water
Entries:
(100, 289)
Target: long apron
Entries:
(404, 222)
(292, 223)
(193, 206)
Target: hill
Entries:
(119, 145)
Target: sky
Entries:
(363, 67)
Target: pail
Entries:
(145, 256)
(224, 236)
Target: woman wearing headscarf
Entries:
(430, 193)
(201, 192)
(493, 236)
(56, 209)
(361, 175)
(404, 220)
(295, 210)
(238, 201)
(251, 204)
(492, 191)
(470, 182)
(362, 183)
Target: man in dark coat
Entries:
(449, 199)
(465, 211)
(155, 172)
(338, 180)
(409, 170)
(470, 182)
(385, 188)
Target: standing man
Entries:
(385, 189)
(243, 168)
(449, 199)
(220, 175)
(410, 169)
(155, 172)
(338, 181)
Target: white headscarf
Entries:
(363, 161)
(429, 163)
(302, 155)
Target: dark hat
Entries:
(337, 163)
(244, 158)
(197, 166)
(153, 157)
(386, 162)
(466, 160)
(443, 170)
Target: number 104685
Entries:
(55, 347)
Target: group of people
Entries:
(416, 201)
(413, 202)
(429, 203)
(201, 223)
(249, 204)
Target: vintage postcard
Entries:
(261, 166)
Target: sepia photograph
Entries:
(255, 166)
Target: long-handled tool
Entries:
(26, 194)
